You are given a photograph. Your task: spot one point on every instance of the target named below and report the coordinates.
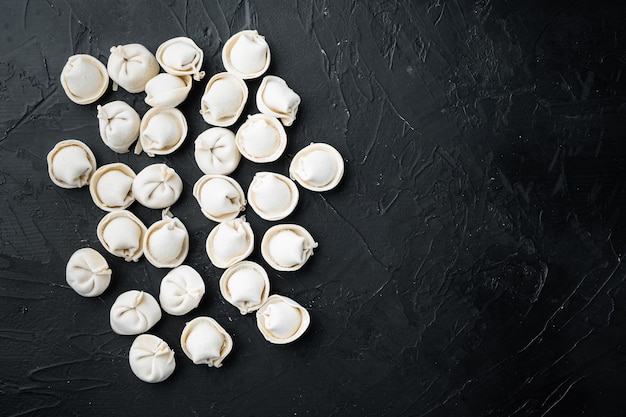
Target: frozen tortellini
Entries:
(87, 272)
(224, 98)
(220, 197)
(261, 138)
(181, 290)
(71, 164)
(205, 342)
(272, 196)
(131, 66)
(181, 56)
(287, 247)
(245, 285)
(317, 167)
(84, 79)
(246, 54)
(230, 242)
(134, 312)
(151, 359)
(166, 242)
(121, 233)
(216, 152)
(157, 186)
(161, 131)
(167, 90)
(119, 125)
(282, 320)
(275, 98)
(111, 186)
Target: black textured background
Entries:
(469, 264)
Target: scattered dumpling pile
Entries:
(218, 150)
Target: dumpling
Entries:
(287, 247)
(245, 285)
(223, 100)
(166, 242)
(181, 56)
(167, 90)
(134, 312)
(161, 131)
(205, 342)
(272, 196)
(157, 186)
(246, 54)
(87, 272)
(220, 197)
(119, 125)
(181, 290)
(71, 164)
(261, 138)
(131, 66)
(84, 79)
(111, 186)
(275, 98)
(317, 167)
(216, 151)
(282, 320)
(230, 242)
(121, 233)
(151, 359)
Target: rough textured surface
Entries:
(469, 263)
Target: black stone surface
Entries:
(469, 264)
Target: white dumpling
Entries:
(220, 197)
(223, 100)
(317, 167)
(167, 90)
(111, 186)
(181, 56)
(87, 272)
(261, 138)
(230, 242)
(287, 247)
(121, 233)
(84, 79)
(157, 186)
(275, 98)
(205, 342)
(216, 152)
(245, 285)
(161, 131)
(166, 242)
(151, 359)
(131, 66)
(134, 312)
(282, 320)
(246, 54)
(119, 125)
(272, 196)
(71, 164)
(181, 290)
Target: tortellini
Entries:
(71, 164)
(216, 151)
(230, 242)
(205, 342)
(119, 125)
(157, 186)
(166, 242)
(220, 197)
(261, 138)
(151, 359)
(131, 66)
(245, 285)
(111, 186)
(275, 98)
(84, 79)
(246, 54)
(161, 131)
(224, 98)
(134, 312)
(272, 196)
(282, 320)
(181, 56)
(181, 290)
(87, 272)
(287, 247)
(121, 233)
(317, 167)
(167, 90)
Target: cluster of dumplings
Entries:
(218, 150)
